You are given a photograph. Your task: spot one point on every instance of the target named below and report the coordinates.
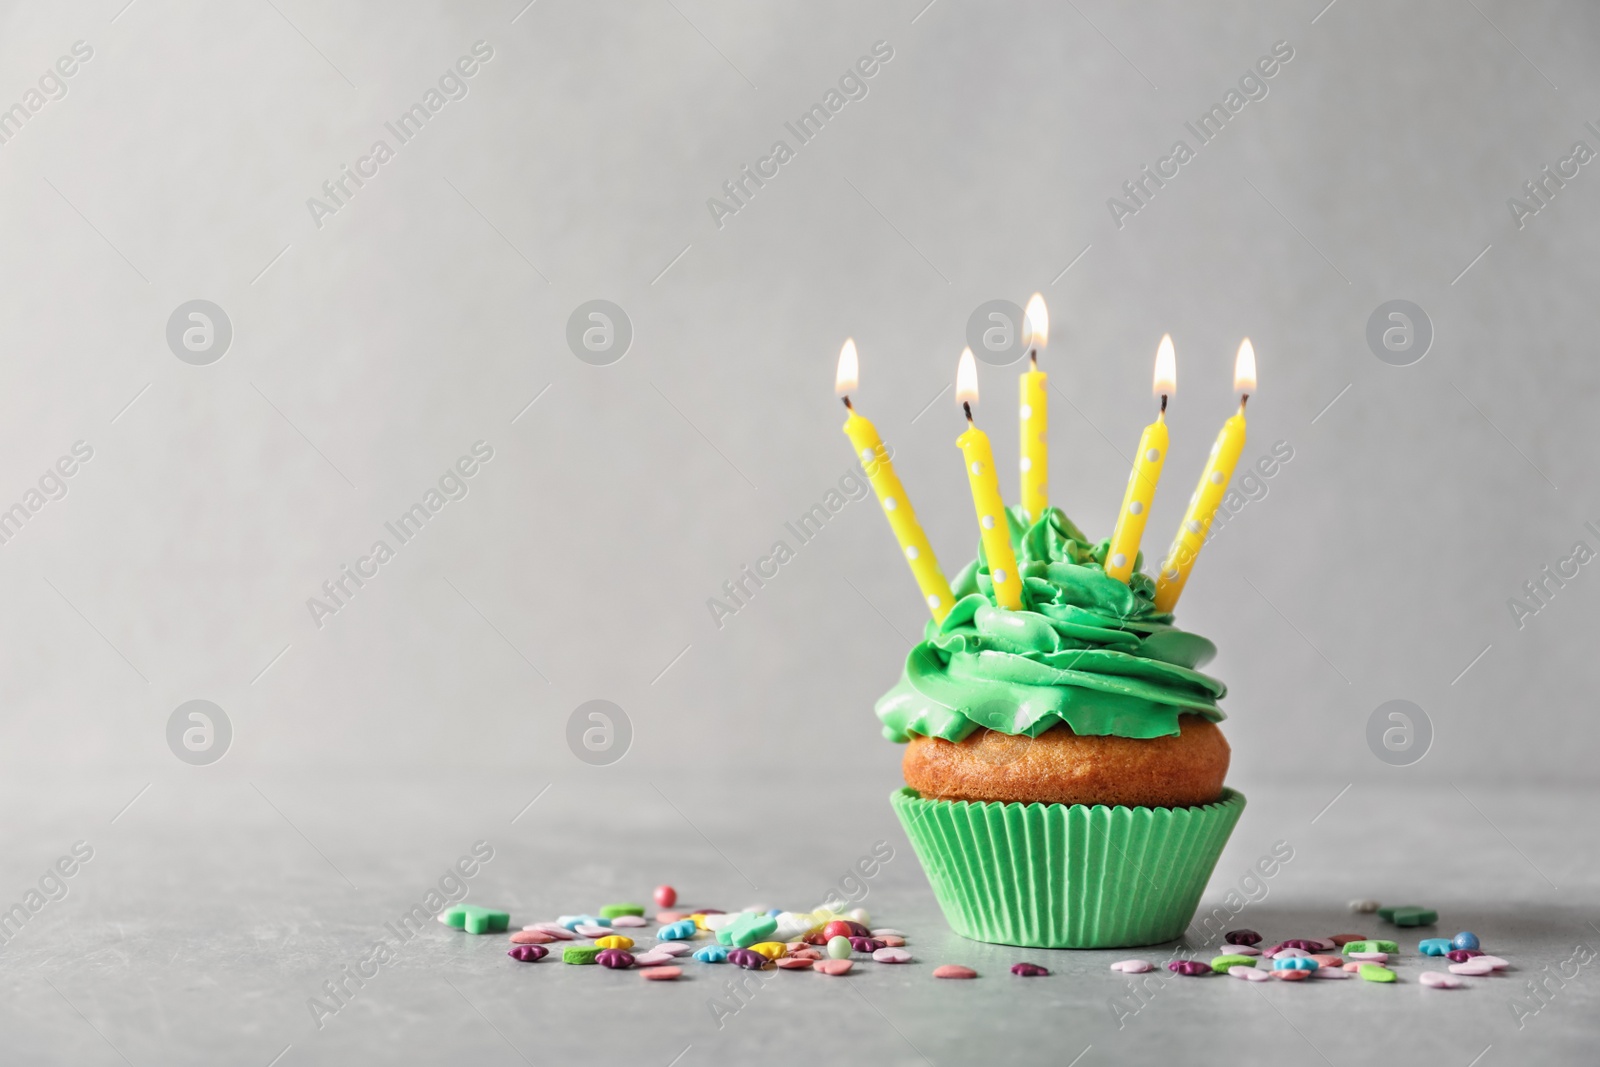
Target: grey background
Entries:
(368, 354)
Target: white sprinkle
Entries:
(911, 550)
(988, 522)
(867, 455)
(1216, 477)
(890, 503)
(1136, 507)
(1119, 560)
(1153, 455)
(999, 576)
(1193, 525)
(933, 600)
(1026, 464)
(1027, 413)
(977, 468)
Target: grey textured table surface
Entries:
(213, 909)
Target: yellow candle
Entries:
(892, 495)
(1208, 494)
(1034, 416)
(993, 527)
(1146, 473)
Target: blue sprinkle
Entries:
(678, 931)
(773, 913)
(574, 921)
(1466, 939)
(712, 954)
(1295, 963)
(1435, 946)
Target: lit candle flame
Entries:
(1036, 322)
(967, 378)
(1244, 368)
(849, 374)
(1166, 380)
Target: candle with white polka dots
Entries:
(1033, 415)
(869, 448)
(993, 528)
(1208, 494)
(1146, 473)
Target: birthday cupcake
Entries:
(1064, 770)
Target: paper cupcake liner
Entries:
(1067, 876)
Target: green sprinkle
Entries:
(476, 920)
(748, 929)
(1372, 946)
(583, 954)
(1414, 917)
(1223, 963)
(612, 911)
(1387, 914)
(1376, 972)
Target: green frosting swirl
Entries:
(1084, 649)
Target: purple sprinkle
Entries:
(1193, 968)
(618, 959)
(1029, 970)
(528, 953)
(1242, 937)
(750, 961)
(1301, 943)
(1462, 955)
(865, 944)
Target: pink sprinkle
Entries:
(555, 930)
(1250, 974)
(660, 974)
(833, 967)
(531, 937)
(892, 955)
(1495, 961)
(954, 970)
(1440, 980)
(1474, 966)
(673, 948)
(1370, 957)
(630, 920)
(1133, 966)
(652, 958)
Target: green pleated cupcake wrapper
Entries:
(1067, 876)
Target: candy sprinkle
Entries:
(954, 970)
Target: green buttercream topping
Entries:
(1084, 649)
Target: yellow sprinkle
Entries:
(699, 918)
(614, 941)
(773, 950)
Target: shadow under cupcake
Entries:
(1064, 769)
